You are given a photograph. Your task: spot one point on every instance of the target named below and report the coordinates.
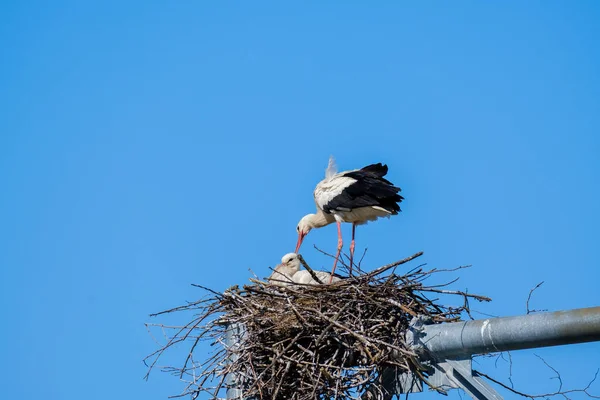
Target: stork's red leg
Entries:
(339, 249)
(352, 248)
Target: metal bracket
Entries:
(447, 373)
(457, 374)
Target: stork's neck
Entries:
(320, 219)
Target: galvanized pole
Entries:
(447, 348)
(463, 339)
(233, 337)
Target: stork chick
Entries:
(289, 273)
(283, 273)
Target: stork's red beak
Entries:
(300, 239)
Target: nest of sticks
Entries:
(309, 342)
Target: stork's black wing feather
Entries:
(369, 189)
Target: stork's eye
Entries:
(298, 228)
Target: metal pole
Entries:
(233, 337)
(463, 339)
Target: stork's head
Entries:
(304, 226)
(291, 260)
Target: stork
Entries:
(283, 273)
(303, 277)
(357, 197)
(289, 273)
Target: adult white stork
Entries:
(357, 196)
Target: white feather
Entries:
(282, 275)
(328, 189)
(331, 168)
(304, 277)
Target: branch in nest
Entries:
(309, 269)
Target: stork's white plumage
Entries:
(304, 277)
(283, 273)
(288, 273)
(357, 196)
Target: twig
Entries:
(536, 396)
(309, 269)
(395, 264)
(529, 298)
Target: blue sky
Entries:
(148, 145)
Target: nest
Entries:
(310, 342)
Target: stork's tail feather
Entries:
(378, 169)
(392, 203)
(385, 191)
